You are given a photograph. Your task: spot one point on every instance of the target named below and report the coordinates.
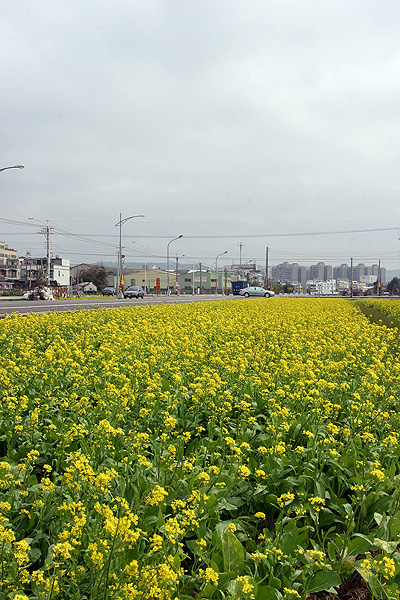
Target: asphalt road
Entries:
(24, 307)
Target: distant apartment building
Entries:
(281, 272)
(369, 274)
(358, 272)
(317, 271)
(302, 275)
(328, 272)
(382, 275)
(342, 272)
(295, 273)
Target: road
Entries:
(24, 307)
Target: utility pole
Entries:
(226, 281)
(48, 252)
(266, 266)
(379, 279)
(201, 287)
(176, 276)
(29, 268)
(240, 259)
(351, 278)
(46, 232)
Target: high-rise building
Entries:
(358, 272)
(294, 272)
(318, 271)
(342, 272)
(328, 272)
(303, 275)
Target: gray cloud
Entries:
(212, 118)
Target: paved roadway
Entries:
(25, 307)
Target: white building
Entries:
(323, 288)
(60, 270)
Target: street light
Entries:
(46, 224)
(216, 270)
(244, 265)
(119, 276)
(170, 242)
(194, 262)
(13, 167)
(145, 264)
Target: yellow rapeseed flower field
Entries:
(239, 449)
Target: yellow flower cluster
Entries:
(130, 438)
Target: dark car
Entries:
(134, 291)
(109, 291)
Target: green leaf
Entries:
(224, 577)
(209, 590)
(394, 524)
(368, 502)
(224, 504)
(236, 501)
(332, 550)
(217, 559)
(232, 552)
(323, 581)
(274, 582)
(266, 592)
(388, 547)
(358, 545)
(288, 543)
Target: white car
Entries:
(256, 291)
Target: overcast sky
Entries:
(226, 121)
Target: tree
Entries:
(394, 286)
(277, 288)
(96, 274)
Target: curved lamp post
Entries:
(170, 242)
(194, 262)
(216, 270)
(145, 264)
(13, 167)
(46, 224)
(120, 223)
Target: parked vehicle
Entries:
(134, 291)
(254, 290)
(109, 291)
(237, 286)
